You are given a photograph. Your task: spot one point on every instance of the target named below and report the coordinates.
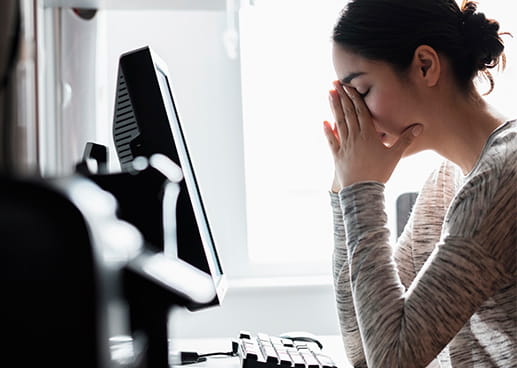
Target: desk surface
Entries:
(332, 346)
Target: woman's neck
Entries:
(462, 129)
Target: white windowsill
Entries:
(255, 284)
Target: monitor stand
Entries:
(148, 316)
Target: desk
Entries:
(332, 346)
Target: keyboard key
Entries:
(325, 361)
(269, 352)
(280, 349)
(307, 344)
(285, 359)
(309, 359)
(244, 335)
(275, 340)
(263, 337)
(288, 342)
(296, 358)
(252, 350)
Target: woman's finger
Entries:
(331, 137)
(339, 115)
(351, 119)
(406, 138)
(334, 129)
(364, 119)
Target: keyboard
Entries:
(264, 351)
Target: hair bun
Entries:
(481, 37)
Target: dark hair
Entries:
(391, 30)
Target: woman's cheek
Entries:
(379, 109)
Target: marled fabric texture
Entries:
(447, 291)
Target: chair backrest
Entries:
(405, 203)
(49, 293)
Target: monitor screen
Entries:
(146, 122)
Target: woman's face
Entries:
(390, 99)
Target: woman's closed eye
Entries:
(363, 94)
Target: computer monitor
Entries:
(146, 122)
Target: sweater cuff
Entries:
(363, 208)
(334, 200)
(337, 215)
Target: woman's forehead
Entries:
(349, 65)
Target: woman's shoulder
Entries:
(503, 141)
(492, 181)
(499, 156)
(506, 133)
(484, 208)
(496, 169)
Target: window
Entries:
(286, 69)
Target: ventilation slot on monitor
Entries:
(125, 128)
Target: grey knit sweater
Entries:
(446, 294)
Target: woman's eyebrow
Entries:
(349, 77)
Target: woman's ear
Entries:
(426, 65)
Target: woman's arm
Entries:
(345, 306)
(408, 328)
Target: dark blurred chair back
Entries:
(47, 273)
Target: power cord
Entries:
(192, 357)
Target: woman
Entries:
(447, 294)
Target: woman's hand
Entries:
(359, 155)
(336, 185)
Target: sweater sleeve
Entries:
(404, 255)
(408, 327)
(424, 226)
(345, 307)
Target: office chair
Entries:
(55, 286)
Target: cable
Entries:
(228, 353)
(191, 357)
